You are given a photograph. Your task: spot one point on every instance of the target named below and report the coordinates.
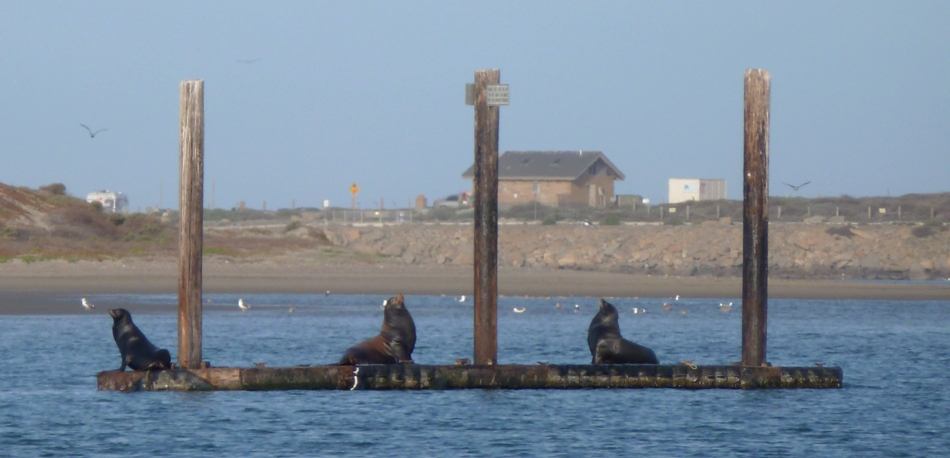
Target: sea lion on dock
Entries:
(137, 352)
(395, 341)
(607, 346)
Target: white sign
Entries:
(326, 203)
(470, 94)
(497, 94)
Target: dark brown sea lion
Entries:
(137, 352)
(606, 344)
(395, 341)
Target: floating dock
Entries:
(457, 377)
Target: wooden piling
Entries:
(755, 218)
(454, 377)
(486, 220)
(191, 195)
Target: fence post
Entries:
(190, 202)
(755, 218)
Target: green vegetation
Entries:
(611, 220)
(54, 189)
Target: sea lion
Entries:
(607, 346)
(395, 341)
(137, 352)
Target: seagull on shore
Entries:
(327, 293)
(91, 133)
(518, 310)
(244, 307)
(87, 305)
(577, 308)
(725, 307)
(557, 305)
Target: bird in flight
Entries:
(91, 133)
(87, 305)
(248, 61)
(796, 187)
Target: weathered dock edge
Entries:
(430, 377)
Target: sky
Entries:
(372, 93)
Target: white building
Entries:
(112, 202)
(687, 189)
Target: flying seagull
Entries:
(248, 61)
(87, 305)
(795, 187)
(91, 133)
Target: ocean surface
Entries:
(895, 400)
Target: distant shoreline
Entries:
(42, 287)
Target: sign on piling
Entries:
(191, 195)
(755, 217)
(486, 219)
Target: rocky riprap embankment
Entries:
(795, 250)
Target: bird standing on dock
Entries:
(91, 133)
(87, 305)
(244, 307)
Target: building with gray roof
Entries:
(556, 178)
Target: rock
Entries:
(374, 236)
(917, 272)
(391, 250)
(862, 234)
(300, 232)
(351, 235)
(567, 261)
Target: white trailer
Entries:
(687, 189)
(112, 202)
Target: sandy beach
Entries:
(40, 287)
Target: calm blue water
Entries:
(895, 356)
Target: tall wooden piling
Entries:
(755, 217)
(191, 195)
(486, 220)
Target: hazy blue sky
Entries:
(373, 93)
